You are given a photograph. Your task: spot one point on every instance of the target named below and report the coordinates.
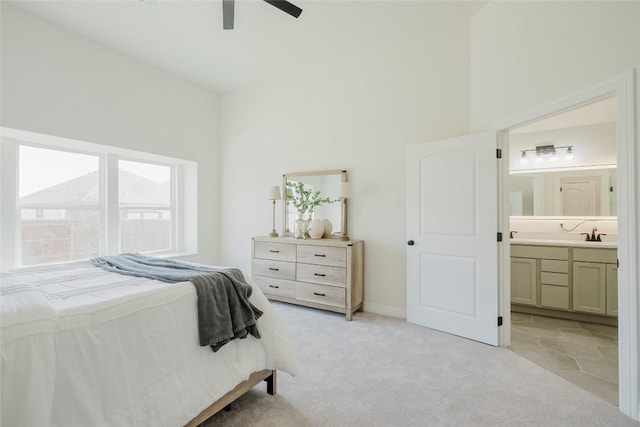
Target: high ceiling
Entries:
(186, 37)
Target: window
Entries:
(64, 200)
(144, 198)
(60, 218)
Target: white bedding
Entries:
(84, 347)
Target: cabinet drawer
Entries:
(275, 251)
(277, 287)
(329, 295)
(554, 296)
(322, 255)
(607, 256)
(554, 266)
(277, 269)
(546, 252)
(558, 279)
(322, 274)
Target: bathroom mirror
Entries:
(564, 192)
(329, 184)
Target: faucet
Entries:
(592, 237)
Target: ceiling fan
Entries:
(228, 7)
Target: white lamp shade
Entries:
(345, 190)
(275, 193)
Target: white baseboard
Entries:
(386, 310)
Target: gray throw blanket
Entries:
(224, 310)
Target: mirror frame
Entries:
(343, 206)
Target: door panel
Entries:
(452, 213)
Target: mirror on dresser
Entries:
(329, 184)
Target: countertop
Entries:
(558, 242)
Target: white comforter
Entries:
(84, 347)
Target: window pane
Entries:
(143, 184)
(57, 177)
(144, 230)
(57, 235)
(144, 191)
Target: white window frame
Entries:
(183, 193)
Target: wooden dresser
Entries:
(324, 273)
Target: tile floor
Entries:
(585, 354)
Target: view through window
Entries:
(59, 205)
(144, 199)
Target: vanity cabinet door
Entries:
(589, 287)
(612, 289)
(523, 281)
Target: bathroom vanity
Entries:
(568, 279)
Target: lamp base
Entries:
(344, 237)
(273, 233)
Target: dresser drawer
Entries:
(277, 287)
(329, 295)
(322, 274)
(277, 269)
(554, 266)
(275, 251)
(322, 255)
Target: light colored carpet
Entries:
(382, 371)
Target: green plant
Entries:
(304, 199)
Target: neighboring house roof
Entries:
(84, 189)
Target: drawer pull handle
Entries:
(319, 274)
(320, 255)
(319, 294)
(274, 269)
(274, 286)
(274, 252)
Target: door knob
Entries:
(410, 243)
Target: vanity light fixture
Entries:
(523, 157)
(274, 195)
(544, 151)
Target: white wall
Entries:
(357, 113)
(525, 55)
(58, 83)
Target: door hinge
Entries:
(561, 189)
(611, 189)
(617, 263)
(499, 153)
(499, 237)
(499, 320)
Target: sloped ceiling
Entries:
(186, 37)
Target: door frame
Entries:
(623, 88)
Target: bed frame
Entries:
(255, 378)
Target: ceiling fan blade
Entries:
(228, 7)
(286, 7)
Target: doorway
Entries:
(563, 310)
(622, 89)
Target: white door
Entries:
(580, 196)
(452, 225)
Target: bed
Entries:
(82, 346)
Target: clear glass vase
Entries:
(302, 228)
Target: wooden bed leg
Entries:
(272, 383)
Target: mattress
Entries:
(81, 346)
